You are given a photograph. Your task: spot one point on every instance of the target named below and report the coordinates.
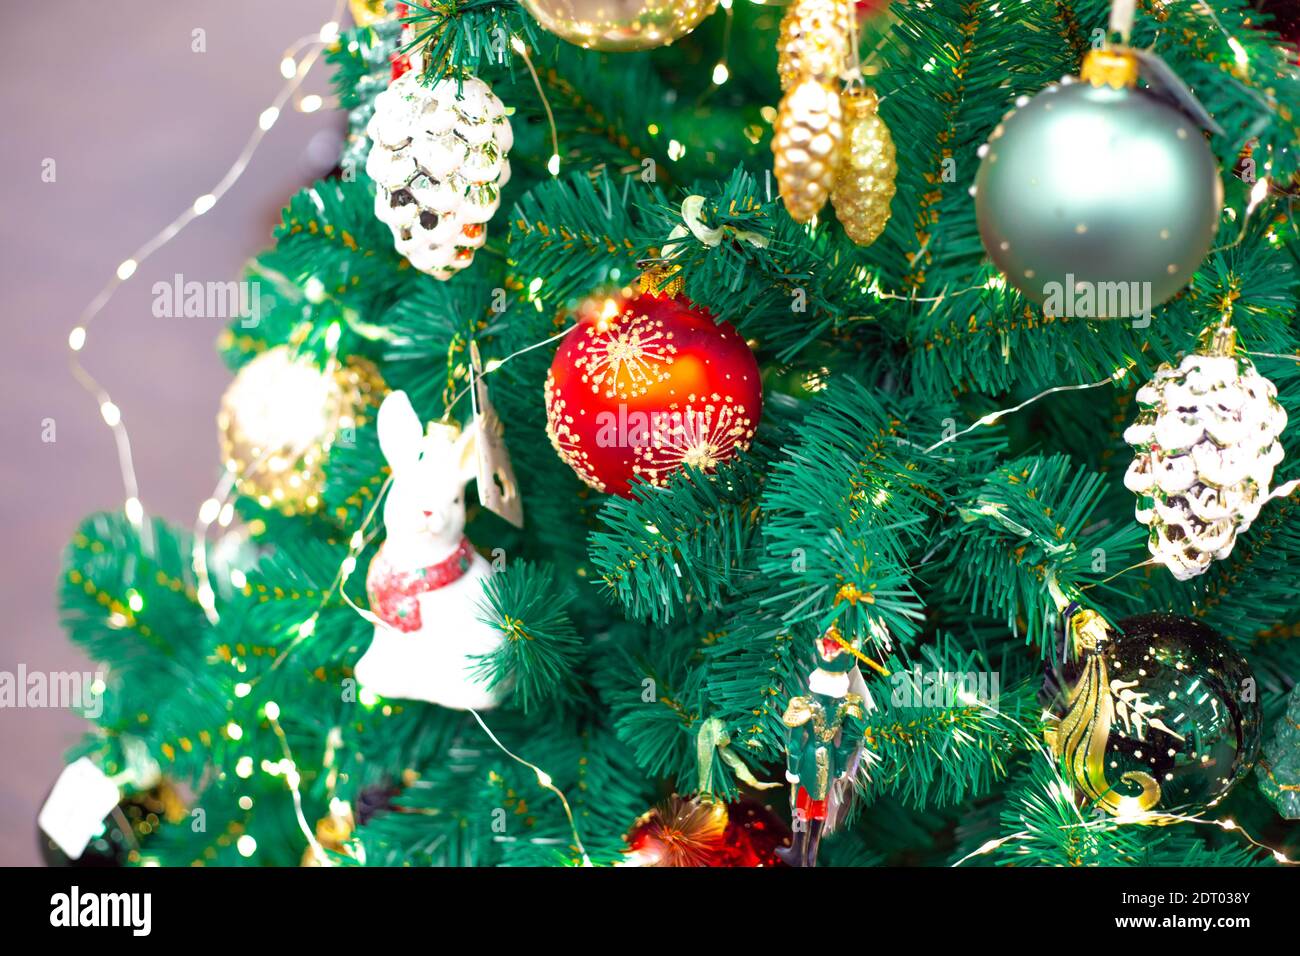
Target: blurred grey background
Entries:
(138, 125)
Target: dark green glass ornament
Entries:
(1161, 716)
(1097, 201)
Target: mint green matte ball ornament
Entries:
(1095, 198)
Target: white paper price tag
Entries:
(497, 490)
(74, 813)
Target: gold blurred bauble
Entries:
(864, 178)
(279, 418)
(814, 41)
(368, 12)
(806, 143)
(332, 832)
(617, 26)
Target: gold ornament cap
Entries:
(1116, 67)
(1218, 339)
(1088, 629)
(660, 278)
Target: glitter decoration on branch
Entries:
(1206, 443)
(809, 129)
(619, 26)
(864, 178)
(279, 418)
(367, 13)
(649, 385)
(1098, 199)
(813, 41)
(439, 160)
(1155, 716)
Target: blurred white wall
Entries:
(138, 125)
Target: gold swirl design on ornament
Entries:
(1081, 740)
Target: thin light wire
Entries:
(77, 337)
(993, 417)
(522, 49)
(496, 365)
(291, 778)
(543, 778)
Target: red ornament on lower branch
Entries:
(700, 832)
(648, 385)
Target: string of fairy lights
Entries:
(296, 64)
(219, 507)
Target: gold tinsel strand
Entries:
(864, 177)
(806, 144)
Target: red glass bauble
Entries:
(695, 831)
(754, 834)
(647, 385)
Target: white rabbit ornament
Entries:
(426, 582)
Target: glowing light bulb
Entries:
(1238, 51)
(1258, 193)
(268, 118)
(127, 269)
(204, 203)
(209, 510)
(77, 338)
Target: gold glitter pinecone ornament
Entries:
(367, 13)
(814, 41)
(281, 415)
(806, 143)
(864, 177)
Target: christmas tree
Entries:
(659, 444)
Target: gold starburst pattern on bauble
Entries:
(701, 434)
(864, 178)
(281, 415)
(813, 41)
(565, 438)
(647, 386)
(806, 144)
(623, 359)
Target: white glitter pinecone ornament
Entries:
(439, 161)
(1207, 443)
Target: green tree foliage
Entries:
(634, 626)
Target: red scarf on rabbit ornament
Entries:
(395, 595)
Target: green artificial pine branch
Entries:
(637, 628)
